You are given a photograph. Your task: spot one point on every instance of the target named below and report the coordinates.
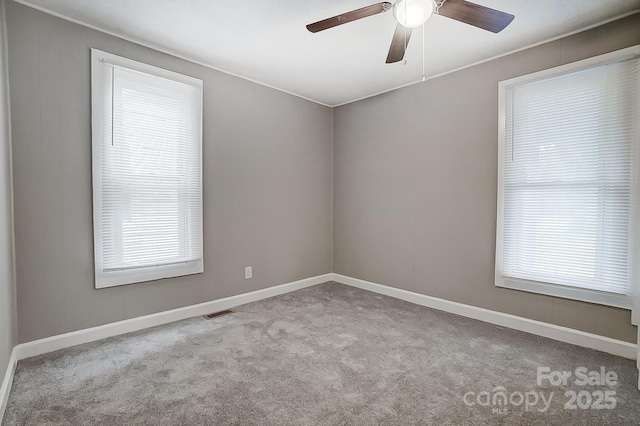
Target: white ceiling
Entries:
(266, 40)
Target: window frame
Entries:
(565, 292)
(105, 279)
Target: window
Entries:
(147, 180)
(567, 193)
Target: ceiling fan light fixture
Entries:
(413, 13)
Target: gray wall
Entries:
(267, 164)
(415, 186)
(414, 203)
(7, 299)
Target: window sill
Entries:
(132, 276)
(565, 292)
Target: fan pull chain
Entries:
(405, 46)
(424, 76)
(405, 34)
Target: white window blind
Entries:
(147, 172)
(568, 176)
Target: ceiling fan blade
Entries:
(398, 44)
(354, 15)
(476, 15)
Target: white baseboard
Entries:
(564, 334)
(61, 341)
(5, 388)
(552, 331)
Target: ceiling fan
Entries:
(413, 13)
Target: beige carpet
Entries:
(325, 355)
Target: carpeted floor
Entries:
(325, 355)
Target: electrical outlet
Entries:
(248, 272)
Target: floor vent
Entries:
(218, 314)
